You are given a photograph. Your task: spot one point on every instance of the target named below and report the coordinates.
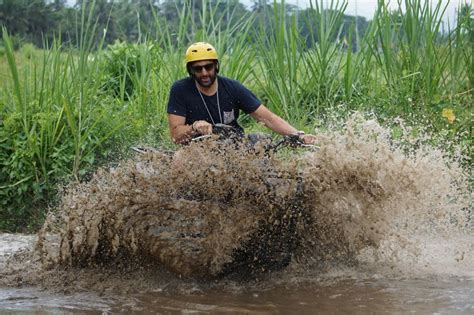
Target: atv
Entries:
(242, 215)
(192, 244)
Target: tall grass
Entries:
(66, 109)
(412, 60)
(52, 126)
(278, 63)
(329, 59)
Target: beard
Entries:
(206, 81)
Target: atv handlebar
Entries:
(230, 132)
(223, 131)
(292, 141)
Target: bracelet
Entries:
(300, 133)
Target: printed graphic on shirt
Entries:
(229, 117)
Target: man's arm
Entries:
(273, 121)
(278, 124)
(182, 133)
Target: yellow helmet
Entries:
(200, 51)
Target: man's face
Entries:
(204, 72)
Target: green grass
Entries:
(67, 110)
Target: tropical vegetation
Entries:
(81, 84)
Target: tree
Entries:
(31, 20)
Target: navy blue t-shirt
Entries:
(185, 101)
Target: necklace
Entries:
(207, 108)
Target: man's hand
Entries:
(202, 127)
(307, 138)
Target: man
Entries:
(205, 99)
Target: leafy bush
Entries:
(123, 63)
(28, 50)
(55, 126)
(20, 192)
(31, 167)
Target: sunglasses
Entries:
(208, 67)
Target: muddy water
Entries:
(345, 296)
(368, 288)
(372, 224)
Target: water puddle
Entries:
(30, 300)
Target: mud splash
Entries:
(386, 199)
(367, 205)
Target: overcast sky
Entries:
(366, 8)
